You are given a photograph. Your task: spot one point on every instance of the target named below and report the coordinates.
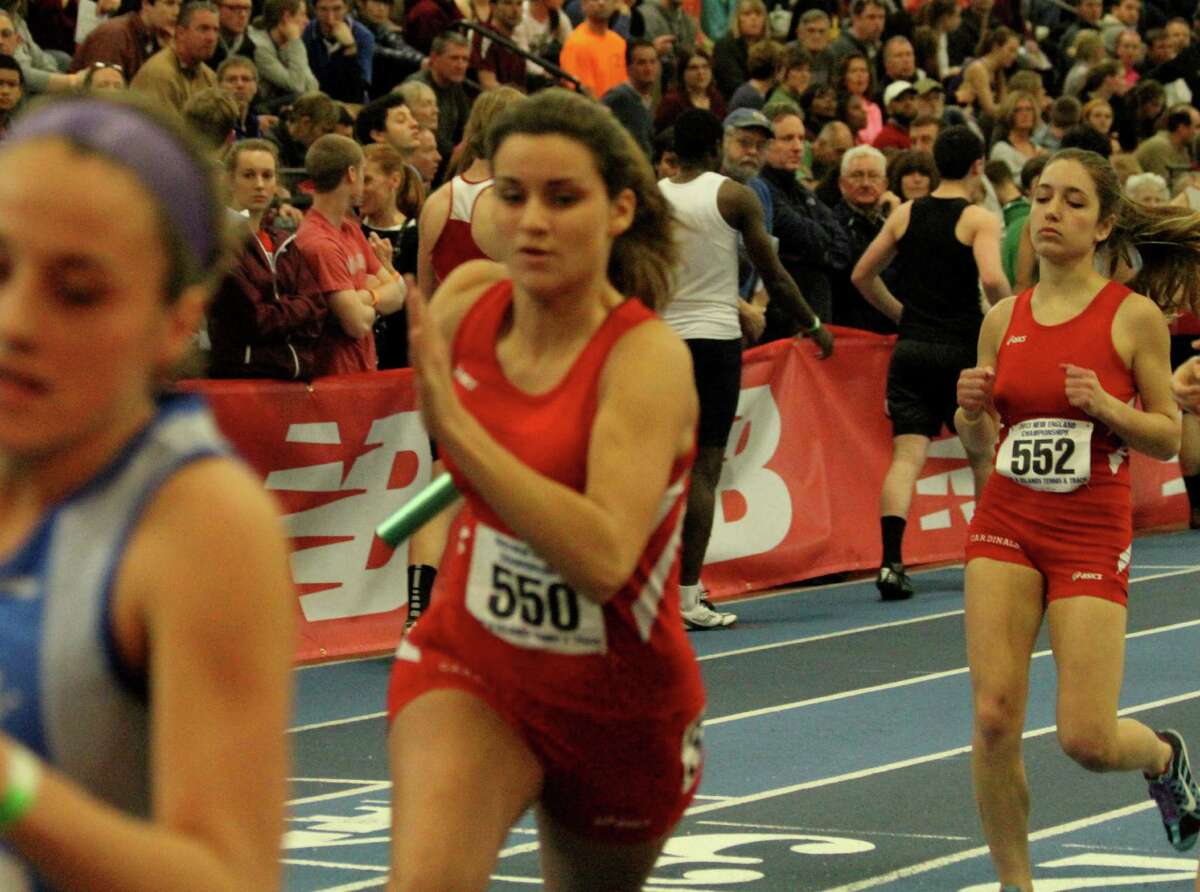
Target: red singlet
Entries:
(455, 246)
(1059, 498)
(608, 697)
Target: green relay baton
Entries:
(418, 511)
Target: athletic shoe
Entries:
(1177, 795)
(893, 583)
(702, 616)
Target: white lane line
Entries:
(904, 682)
(334, 865)
(519, 849)
(355, 887)
(826, 830)
(365, 787)
(841, 633)
(335, 722)
(332, 780)
(946, 860)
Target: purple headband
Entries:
(133, 140)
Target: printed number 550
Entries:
(556, 603)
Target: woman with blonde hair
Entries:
(731, 54)
(470, 171)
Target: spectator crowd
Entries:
(334, 122)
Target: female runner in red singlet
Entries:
(1059, 368)
(552, 670)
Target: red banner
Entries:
(799, 493)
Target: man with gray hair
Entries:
(864, 205)
(178, 72)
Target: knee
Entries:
(1090, 748)
(998, 721)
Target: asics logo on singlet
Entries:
(1015, 339)
(1075, 577)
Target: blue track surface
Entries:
(836, 752)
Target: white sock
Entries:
(689, 596)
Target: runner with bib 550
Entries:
(552, 669)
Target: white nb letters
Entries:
(768, 514)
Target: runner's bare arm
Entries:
(645, 420)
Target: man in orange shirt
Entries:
(594, 53)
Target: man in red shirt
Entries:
(356, 286)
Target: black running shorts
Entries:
(922, 386)
(717, 366)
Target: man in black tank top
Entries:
(943, 249)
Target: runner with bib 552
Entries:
(1071, 375)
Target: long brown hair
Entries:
(1167, 238)
(644, 256)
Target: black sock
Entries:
(892, 528)
(1193, 490)
(420, 584)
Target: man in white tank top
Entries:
(713, 211)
